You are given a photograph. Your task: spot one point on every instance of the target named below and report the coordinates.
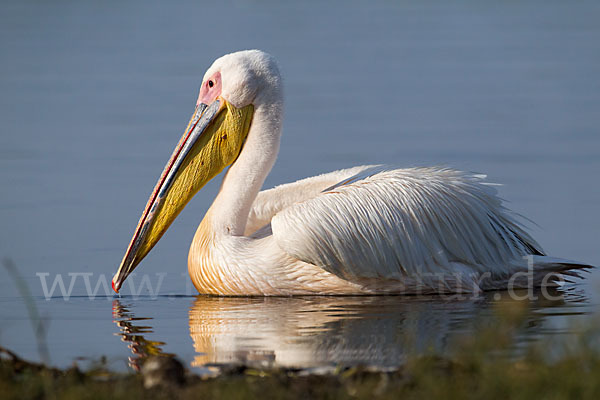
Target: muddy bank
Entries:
(477, 374)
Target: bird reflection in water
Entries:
(323, 330)
(141, 348)
(373, 330)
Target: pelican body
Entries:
(363, 230)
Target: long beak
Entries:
(212, 140)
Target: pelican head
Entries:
(232, 89)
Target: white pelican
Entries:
(363, 230)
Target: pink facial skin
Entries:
(210, 90)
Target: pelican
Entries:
(362, 230)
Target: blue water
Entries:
(94, 96)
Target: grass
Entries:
(480, 367)
(37, 323)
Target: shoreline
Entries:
(475, 372)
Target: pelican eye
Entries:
(211, 84)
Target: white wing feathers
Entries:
(271, 201)
(398, 223)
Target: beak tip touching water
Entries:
(115, 288)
